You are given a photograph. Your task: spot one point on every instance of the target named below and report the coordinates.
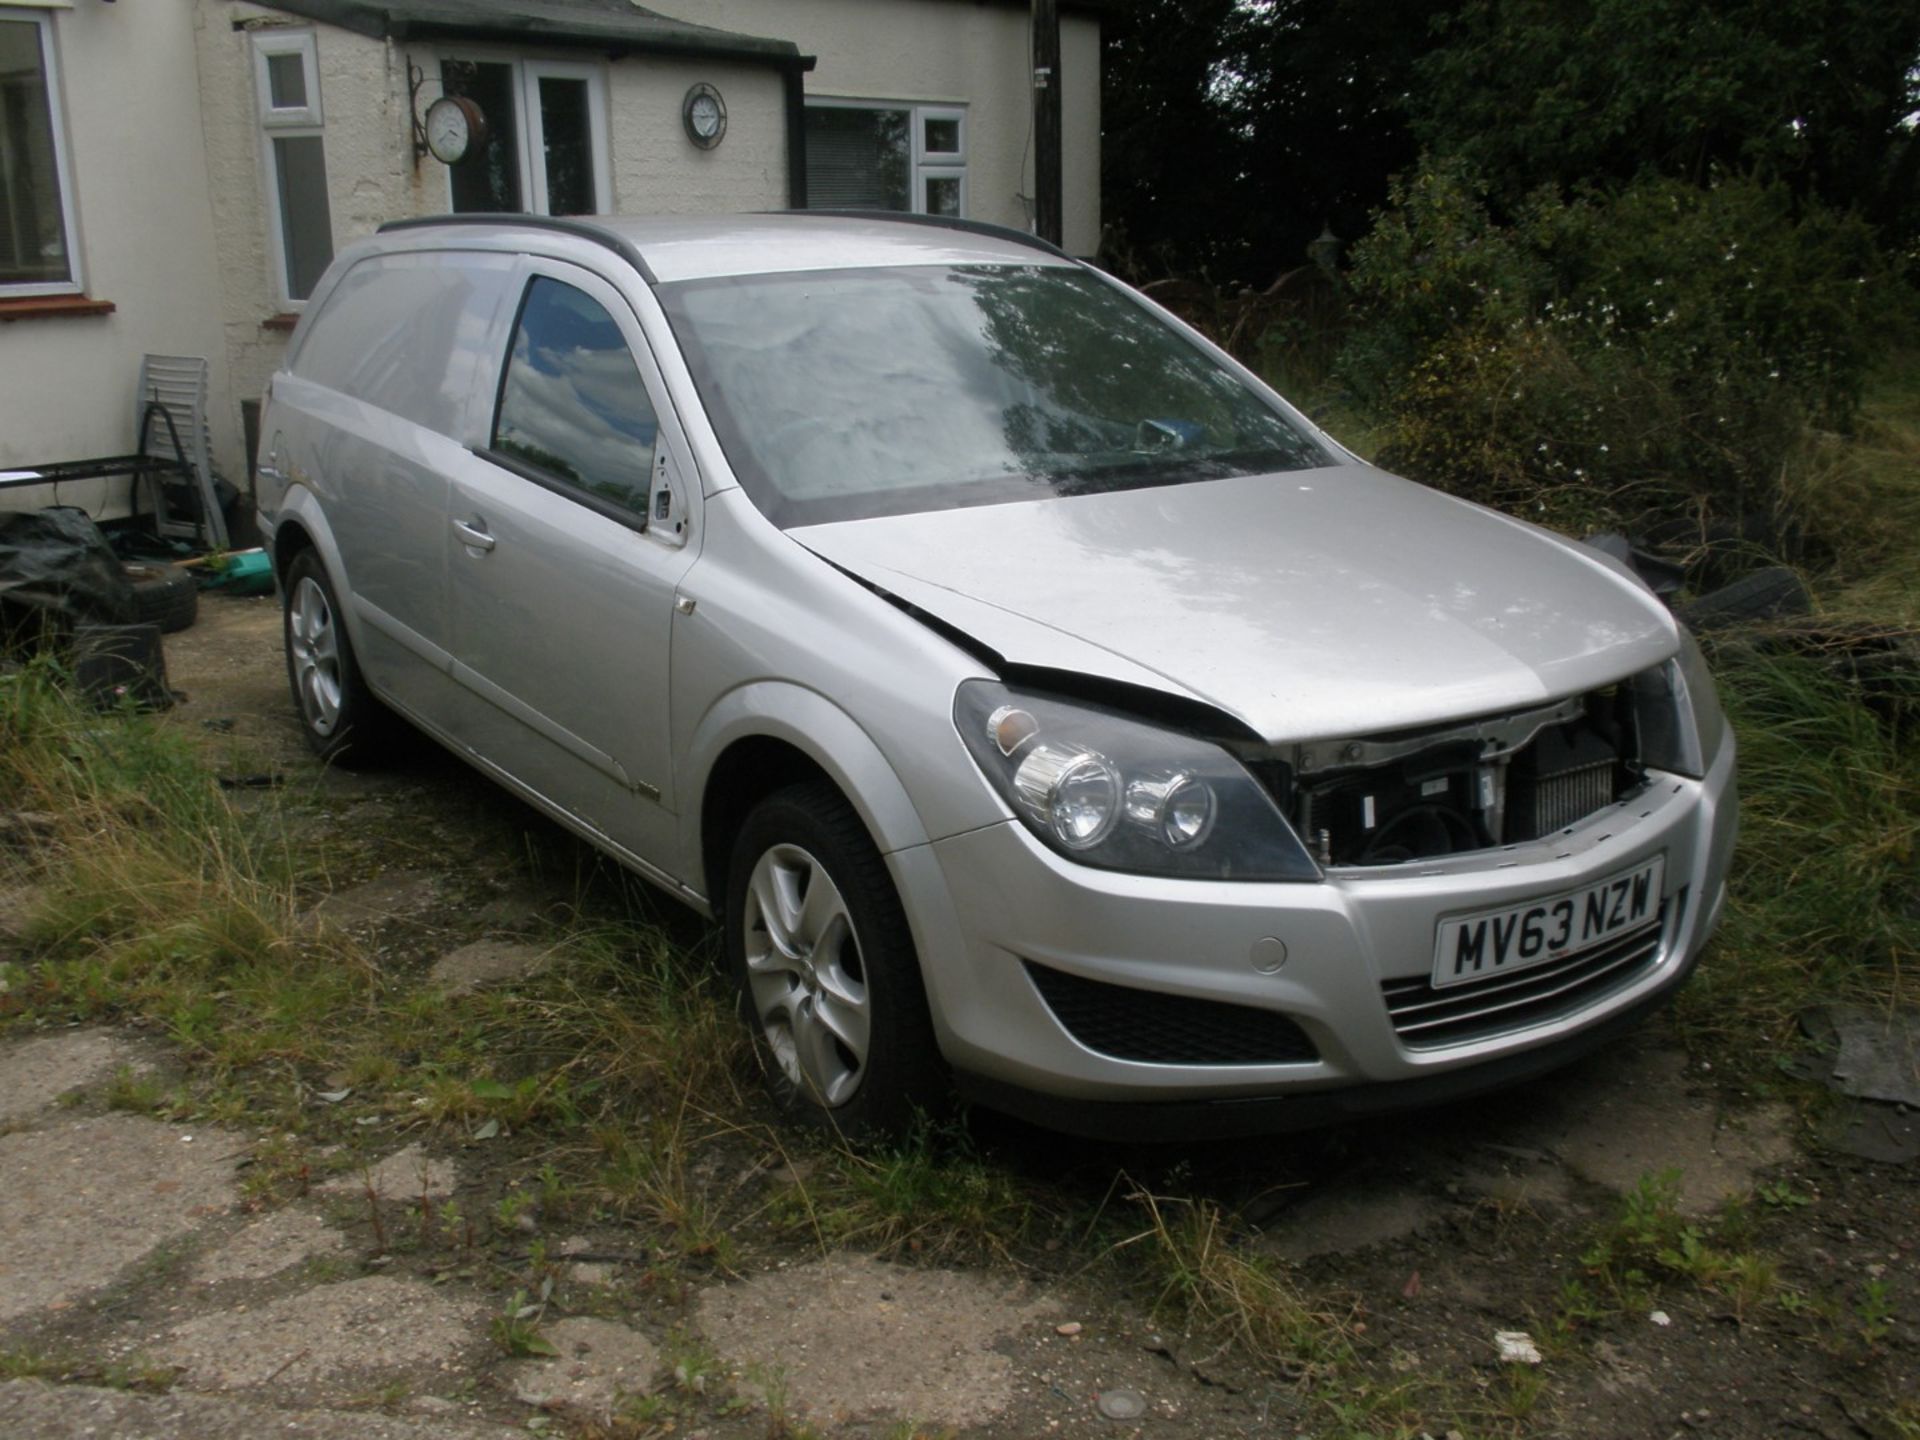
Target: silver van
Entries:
(1043, 706)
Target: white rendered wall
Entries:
(145, 240)
(947, 51)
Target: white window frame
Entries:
(530, 159)
(75, 283)
(289, 122)
(937, 165)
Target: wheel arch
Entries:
(766, 736)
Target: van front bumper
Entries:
(1123, 1005)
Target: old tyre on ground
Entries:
(163, 594)
(342, 719)
(828, 977)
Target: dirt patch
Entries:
(855, 1337)
(229, 668)
(332, 1342)
(86, 1198)
(35, 1073)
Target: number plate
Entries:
(1518, 937)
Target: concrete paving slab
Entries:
(333, 1341)
(855, 1337)
(269, 1245)
(80, 1412)
(38, 1071)
(1645, 1121)
(86, 1198)
(404, 1175)
(396, 895)
(598, 1363)
(488, 962)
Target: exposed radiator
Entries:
(1560, 800)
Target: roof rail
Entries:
(942, 222)
(580, 229)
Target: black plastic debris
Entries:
(1662, 576)
(116, 665)
(57, 569)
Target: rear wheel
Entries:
(342, 719)
(828, 977)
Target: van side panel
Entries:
(373, 411)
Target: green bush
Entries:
(1656, 353)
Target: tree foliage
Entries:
(1236, 129)
(1612, 357)
(1812, 94)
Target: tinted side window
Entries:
(573, 405)
(404, 332)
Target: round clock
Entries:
(456, 127)
(704, 114)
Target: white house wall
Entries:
(943, 52)
(145, 231)
(657, 170)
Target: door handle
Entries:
(472, 536)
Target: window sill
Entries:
(52, 307)
(282, 322)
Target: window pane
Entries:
(943, 195)
(287, 82)
(306, 225)
(489, 178)
(942, 137)
(573, 405)
(568, 145)
(33, 238)
(858, 159)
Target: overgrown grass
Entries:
(1825, 901)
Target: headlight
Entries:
(1678, 711)
(1120, 794)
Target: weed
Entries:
(1780, 1195)
(1873, 1314)
(1648, 1240)
(65, 1369)
(514, 1329)
(1208, 1282)
(697, 1369)
(141, 1093)
(1903, 1419)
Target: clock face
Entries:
(450, 128)
(705, 115)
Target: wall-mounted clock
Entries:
(704, 114)
(456, 127)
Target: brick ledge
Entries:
(52, 307)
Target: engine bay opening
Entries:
(1392, 799)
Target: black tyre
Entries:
(828, 977)
(343, 721)
(163, 594)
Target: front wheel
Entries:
(825, 964)
(342, 720)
